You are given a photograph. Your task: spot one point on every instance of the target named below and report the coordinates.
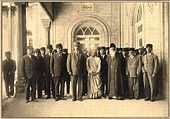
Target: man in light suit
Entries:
(133, 72)
(59, 71)
(76, 68)
(150, 70)
(28, 73)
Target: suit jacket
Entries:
(47, 63)
(40, 65)
(134, 66)
(104, 66)
(76, 63)
(150, 64)
(8, 67)
(58, 65)
(28, 66)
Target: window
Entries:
(139, 15)
(87, 31)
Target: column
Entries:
(21, 44)
(46, 24)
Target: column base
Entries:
(20, 88)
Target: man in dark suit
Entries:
(104, 71)
(67, 76)
(39, 71)
(76, 68)
(28, 73)
(42, 50)
(49, 79)
(58, 71)
(8, 69)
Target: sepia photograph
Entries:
(75, 59)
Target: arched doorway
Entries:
(90, 31)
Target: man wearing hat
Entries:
(28, 73)
(39, 71)
(48, 77)
(104, 71)
(8, 69)
(58, 70)
(150, 70)
(67, 76)
(133, 72)
(76, 68)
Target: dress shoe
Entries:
(73, 100)
(34, 100)
(152, 100)
(47, 97)
(62, 98)
(27, 101)
(80, 99)
(147, 99)
(120, 98)
(56, 99)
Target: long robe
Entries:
(115, 79)
(94, 81)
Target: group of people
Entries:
(116, 73)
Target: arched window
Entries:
(88, 36)
(139, 27)
(139, 15)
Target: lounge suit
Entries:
(134, 70)
(59, 69)
(76, 66)
(28, 71)
(150, 70)
(39, 75)
(49, 79)
(104, 74)
(8, 69)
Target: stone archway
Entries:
(90, 21)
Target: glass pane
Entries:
(80, 32)
(87, 32)
(80, 39)
(95, 32)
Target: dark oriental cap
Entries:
(65, 50)
(49, 47)
(42, 48)
(59, 45)
(102, 47)
(112, 45)
(149, 45)
(37, 50)
(7, 53)
(131, 49)
(30, 47)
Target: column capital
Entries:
(46, 23)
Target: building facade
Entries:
(99, 24)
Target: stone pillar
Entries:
(21, 44)
(46, 24)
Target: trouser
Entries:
(9, 84)
(133, 84)
(59, 86)
(67, 80)
(30, 84)
(77, 81)
(85, 85)
(150, 86)
(39, 86)
(50, 85)
(141, 86)
(104, 86)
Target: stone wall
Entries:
(67, 13)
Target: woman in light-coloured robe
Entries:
(94, 83)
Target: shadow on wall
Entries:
(58, 7)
